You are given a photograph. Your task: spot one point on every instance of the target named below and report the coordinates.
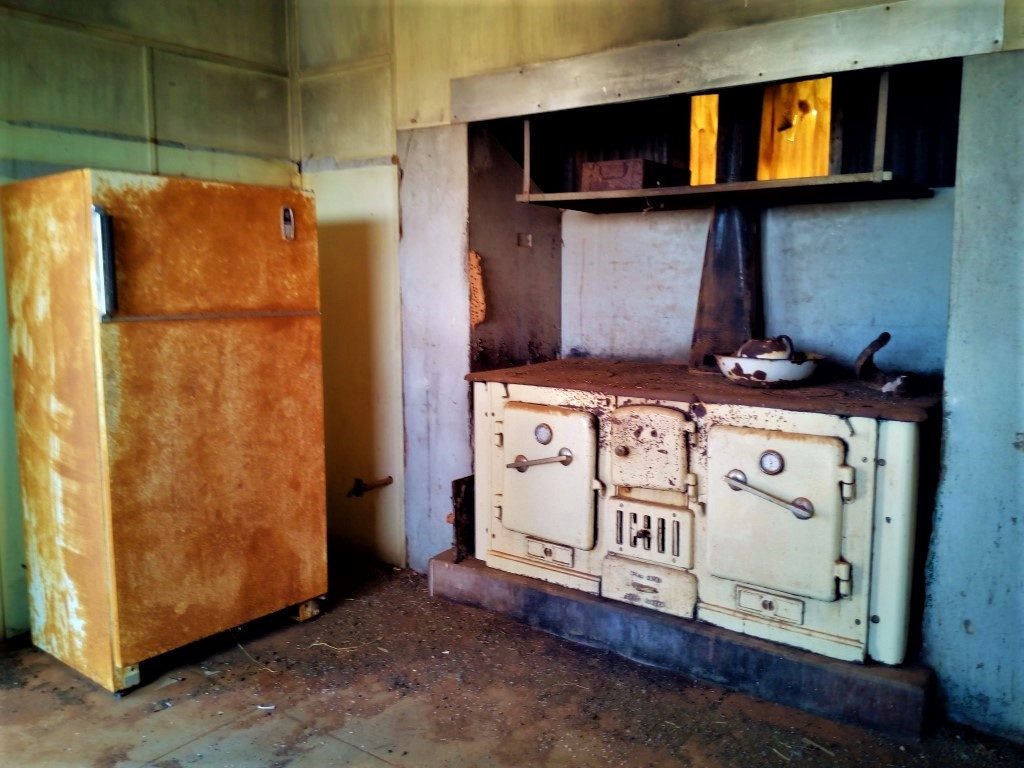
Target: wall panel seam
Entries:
(127, 37)
(354, 65)
(295, 137)
(166, 143)
(150, 85)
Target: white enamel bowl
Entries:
(762, 372)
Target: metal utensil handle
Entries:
(801, 508)
(522, 463)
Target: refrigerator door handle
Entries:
(106, 278)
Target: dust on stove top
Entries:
(837, 394)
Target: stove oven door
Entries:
(550, 458)
(775, 510)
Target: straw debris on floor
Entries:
(389, 676)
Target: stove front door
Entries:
(550, 464)
(649, 447)
(775, 510)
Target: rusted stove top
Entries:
(837, 395)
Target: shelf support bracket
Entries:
(881, 122)
(526, 158)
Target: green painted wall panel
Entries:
(332, 33)
(221, 107)
(13, 589)
(72, 150)
(219, 166)
(252, 30)
(348, 115)
(57, 77)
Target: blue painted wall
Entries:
(835, 276)
(974, 622)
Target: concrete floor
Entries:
(390, 677)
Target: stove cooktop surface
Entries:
(832, 393)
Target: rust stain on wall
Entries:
(54, 345)
(184, 246)
(216, 449)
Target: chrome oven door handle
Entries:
(801, 508)
(522, 463)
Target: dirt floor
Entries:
(389, 676)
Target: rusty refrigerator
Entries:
(169, 410)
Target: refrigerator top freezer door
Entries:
(187, 247)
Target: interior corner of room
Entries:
(416, 150)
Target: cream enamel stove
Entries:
(791, 526)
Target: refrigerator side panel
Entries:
(47, 229)
(188, 247)
(216, 454)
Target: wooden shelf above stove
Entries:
(838, 395)
(870, 185)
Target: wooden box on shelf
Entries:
(632, 173)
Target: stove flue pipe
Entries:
(729, 305)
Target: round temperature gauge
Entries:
(771, 462)
(543, 434)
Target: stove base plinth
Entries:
(893, 700)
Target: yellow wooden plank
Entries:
(703, 138)
(796, 119)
